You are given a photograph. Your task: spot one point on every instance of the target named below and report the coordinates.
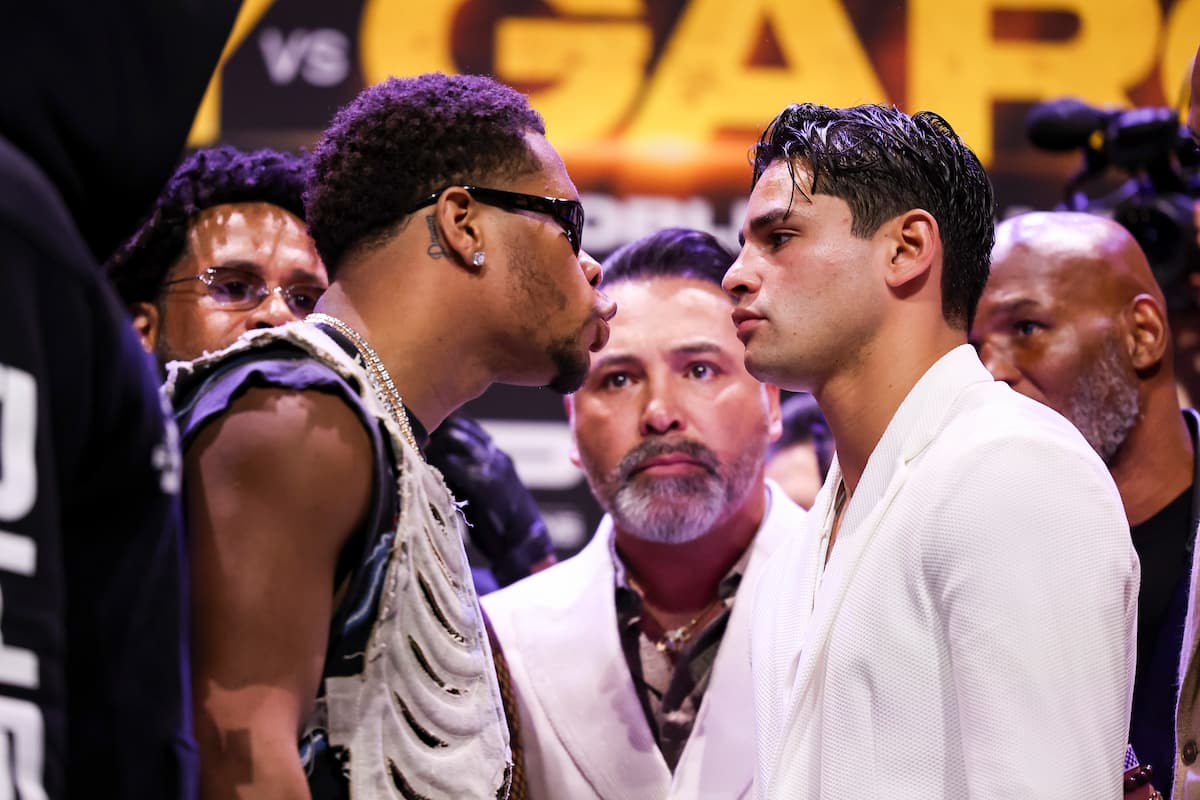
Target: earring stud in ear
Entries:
(478, 258)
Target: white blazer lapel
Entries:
(781, 606)
(834, 581)
(718, 760)
(583, 683)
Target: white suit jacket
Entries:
(583, 731)
(973, 633)
(1187, 721)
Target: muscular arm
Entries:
(274, 490)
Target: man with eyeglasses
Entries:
(332, 594)
(224, 250)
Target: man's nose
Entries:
(739, 280)
(661, 414)
(592, 269)
(272, 311)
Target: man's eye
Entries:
(232, 289)
(306, 298)
(701, 371)
(615, 380)
(777, 239)
(1027, 327)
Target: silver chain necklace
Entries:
(381, 379)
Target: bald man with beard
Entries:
(1072, 317)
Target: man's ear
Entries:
(146, 324)
(455, 231)
(774, 416)
(1147, 335)
(569, 407)
(913, 243)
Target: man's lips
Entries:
(669, 462)
(743, 320)
(602, 332)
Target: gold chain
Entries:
(672, 641)
(381, 379)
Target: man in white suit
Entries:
(629, 662)
(959, 622)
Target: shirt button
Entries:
(1189, 752)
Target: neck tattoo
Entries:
(381, 379)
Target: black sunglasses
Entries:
(567, 213)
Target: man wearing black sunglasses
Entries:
(242, 214)
(332, 593)
(224, 250)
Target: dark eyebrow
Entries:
(240, 264)
(697, 349)
(1014, 306)
(614, 360)
(295, 277)
(764, 220)
(303, 277)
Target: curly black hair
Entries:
(670, 253)
(209, 177)
(883, 162)
(402, 140)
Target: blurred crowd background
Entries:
(654, 105)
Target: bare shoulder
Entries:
(306, 454)
(275, 488)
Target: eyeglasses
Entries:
(238, 290)
(567, 213)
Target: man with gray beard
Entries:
(629, 662)
(1073, 317)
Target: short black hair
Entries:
(670, 253)
(404, 139)
(883, 162)
(209, 177)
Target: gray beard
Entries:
(676, 509)
(1105, 405)
(669, 510)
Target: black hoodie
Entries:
(95, 101)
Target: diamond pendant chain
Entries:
(381, 379)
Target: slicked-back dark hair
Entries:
(210, 177)
(404, 139)
(883, 162)
(670, 253)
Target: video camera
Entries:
(1156, 202)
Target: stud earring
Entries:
(478, 258)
